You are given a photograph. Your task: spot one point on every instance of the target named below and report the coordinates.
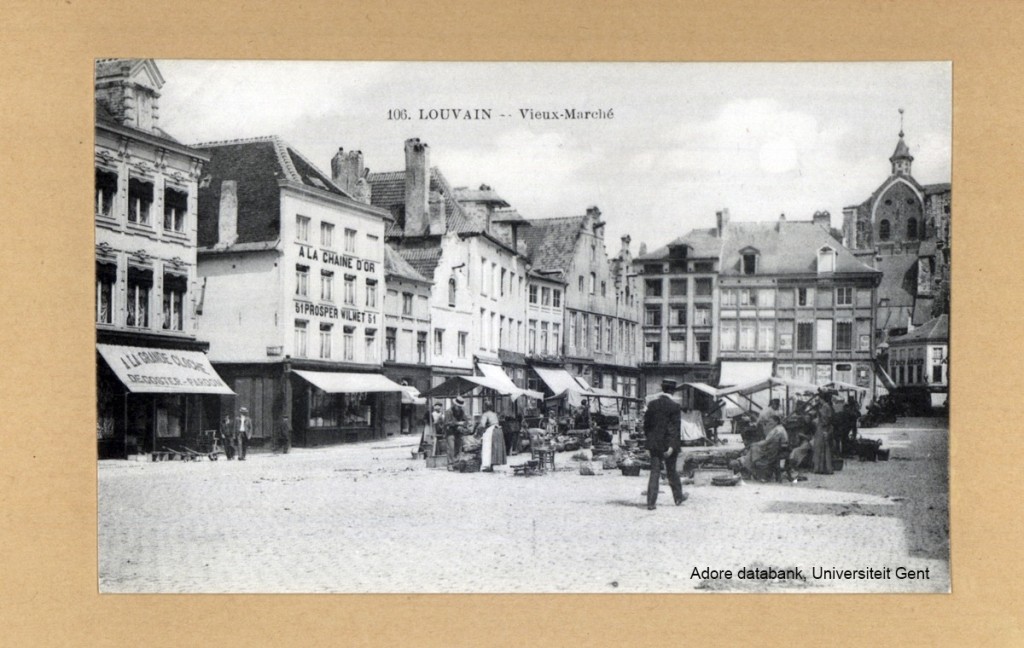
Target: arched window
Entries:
(883, 230)
(912, 228)
(451, 291)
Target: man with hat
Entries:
(244, 432)
(455, 425)
(662, 424)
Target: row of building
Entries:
(238, 274)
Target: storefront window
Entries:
(339, 410)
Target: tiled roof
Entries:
(942, 187)
(704, 243)
(934, 330)
(257, 165)
(422, 257)
(396, 266)
(388, 192)
(899, 280)
(551, 242)
(508, 216)
(902, 150)
(784, 247)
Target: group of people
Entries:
(460, 433)
(818, 432)
(236, 434)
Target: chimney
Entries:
(438, 215)
(227, 221)
(782, 217)
(643, 249)
(417, 187)
(594, 211)
(823, 219)
(626, 240)
(722, 220)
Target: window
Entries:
(704, 266)
(533, 294)
(593, 283)
(407, 304)
(652, 316)
(598, 331)
(936, 373)
(766, 336)
(503, 275)
(438, 342)
(586, 329)
(678, 316)
(749, 264)
(463, 336)
(106, 192)
(348, 338)
(728, 297)
(532, 325)
(748, 297)
(484, 279)
(883, 230)
(582, 286)
(556, 298)
(703, 347)
(748, 333)
(653, 287)
(350, 241)
(766, 298)
(451, 292)
(728, 336)
(494, 280)
(325, 341)
(300, 338)
(326, 285)
(326, 235)
(545, 297)
(844, 336)
(604, 289)
(556, 338)
(676, 287)
(804, 336)
(844, 296)
(677, 348)
(652, 351)
(390, 344)
(140, 201)
(302, 227)
(371, 293)
(703, 286)
(653, 268)
(824, 335)
(350, 290)
(865, 343)
(421, 347)
(175, 287)
(139, 284)
(302, 281)
(574, 330)
(544, 338)
(826, 259)
(804, 296)
(702, 316)
(370, 345)
(608, 335)
(175, 208)
(106, 277)
(912, 228)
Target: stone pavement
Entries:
(367, 518)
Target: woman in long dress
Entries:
(822, 443)
(492, 451)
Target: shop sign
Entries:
(333, 312)
(335, 259)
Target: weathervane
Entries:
(901, 122)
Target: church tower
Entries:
(901, 157)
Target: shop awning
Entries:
(335, 382)
(559, 381)
(740, 373)
(498, 376)
(163, 371)
(411, 396)
(461, 385)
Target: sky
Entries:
(685, 139)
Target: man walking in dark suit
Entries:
(661, 426)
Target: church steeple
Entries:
(901, 157)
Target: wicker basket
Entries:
(725, 480)
(630, 471)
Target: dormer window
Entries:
(826, 259)
(748, 260)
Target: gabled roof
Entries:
(786, 247)
(257, 165)
(387, 191)
(934, 330)
(703, 244)
(899, 280)
(508, 216)
(104, 116)
(551, 242)
(396, 266)
(422, 255)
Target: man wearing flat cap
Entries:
(244, 432)
(661, 426)
(455, 425)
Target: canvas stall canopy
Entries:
(497, 375)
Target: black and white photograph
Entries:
(475, 327)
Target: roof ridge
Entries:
(231, 142)
(305, 159)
